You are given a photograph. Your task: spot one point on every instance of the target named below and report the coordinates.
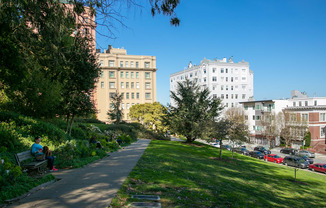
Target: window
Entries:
(137, 85)
(231, 79)
(243, 70)
(121, 74)
(112, 85)
(147, 75)
(102, 63)
(111, 63)
(253, 117)
(227, 104)
(214, 79)
(322, 132)
(132, 64)
(300, 103)
(231, 87)
(222, 96)
(226, 70)
(132, 75)
(127, 64)
(226, 87)
(128, 106)
(132, 95)
(246, 117)
(293, 117)
(226, 96)
(294, 104)
(204, 79)
(122, 106)
(147, 85)
(122, 85)
(111, 106)
(127, 95)
(137, 64)
(304, 117)
(222, 70)
(121, 63)
(127, 85)
(148, 95)
(112, 94)
(226, 79)
(322, 117)
(122, 95)
(257, 118)
(232, 104)
(257, 107)
(111, 73)
(243, 78)
(137, 95)
(222, 87)
(246, 107)
(306, 103)
(85, 31)
(243, 96)
(146, 64)
(127, 74)
(214, 70)
(214, 96)
(132, 85)
(102, 74)
(315, 103)
(232, 97)
(236, 97)
(204, 71)
(102, 84)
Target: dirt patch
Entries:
(299, 182)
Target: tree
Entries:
(192, 111)
(307, 139)
(115, 113)
(269, 127)
(238, 131)
(220, 130)
(151, 115)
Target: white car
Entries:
(215, 144)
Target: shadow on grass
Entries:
(185, 176)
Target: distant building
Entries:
(232, 82)
(300, 107)
(134, 76)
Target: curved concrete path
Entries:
(94, 185)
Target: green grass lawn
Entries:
(186, 175)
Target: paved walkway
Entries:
(92, 186)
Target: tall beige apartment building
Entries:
(134, 76)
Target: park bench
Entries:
(30, 166)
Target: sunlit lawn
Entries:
(191, 176)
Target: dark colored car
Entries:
(295, 162)
(256, 154)
(273, 158)
(320, 167)
(241, 150)
(310, 160)
(262, 150)
(286, 150)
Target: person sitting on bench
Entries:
(37, 151)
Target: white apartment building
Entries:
(230, 81)
(311, 109)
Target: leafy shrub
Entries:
(88, 120)
(123, 129)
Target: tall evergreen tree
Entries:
(115, 113)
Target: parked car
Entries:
(310, 160)
(286, 150)
(215, 144)
(262, 150)
(256, 154)
(305, 153)
(295, 161)
(273, 158)
(320, 167)
(227, 147)
(241, 150)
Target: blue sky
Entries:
(284, 41)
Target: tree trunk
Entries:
(67, 126)
(221, 149)
(189, 140)
(232, 153)
(71, 122)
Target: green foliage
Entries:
(151, 115)
(192, 110)
(115, 113)
(307, 139)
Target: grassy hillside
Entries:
(186, 175)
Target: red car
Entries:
(320, 167)
(273, 158)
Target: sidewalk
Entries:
(92, 186)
